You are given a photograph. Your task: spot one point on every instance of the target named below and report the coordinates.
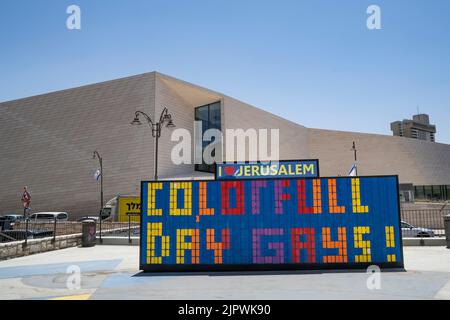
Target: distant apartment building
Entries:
(417, 128)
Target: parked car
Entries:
(106, 214)
(410, 231)
(12, 217)
(7, 221)
(88, 218)
(49, 216)
(5, 224)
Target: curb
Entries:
(424, 242)
(118, 241)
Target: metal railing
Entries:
(426, 223)
(129, 228)
(37, 229)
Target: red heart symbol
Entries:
(229, 170)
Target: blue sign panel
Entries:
(270, 169)
(345, 222)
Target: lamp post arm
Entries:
(156, 130)
(146, 117)
(163, 113)
(98, 156)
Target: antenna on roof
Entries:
(418, 110)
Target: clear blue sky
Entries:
(313, 62)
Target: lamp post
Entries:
(100, 159)
(165, 118)
(356, 159)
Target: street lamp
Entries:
(356, 158)
(165, 118)
(100, 159)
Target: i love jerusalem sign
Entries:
(270, 169)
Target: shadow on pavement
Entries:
(255, 273)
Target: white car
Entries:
(410, 231)
(49, 216)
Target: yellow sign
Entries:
(129, 205)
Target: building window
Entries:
(432, 193)
(428, 192)
(419, 193)
(436, 193)
(211, 118)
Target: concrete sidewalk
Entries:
(111, 272)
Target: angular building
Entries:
(48, 141)
(417, 128)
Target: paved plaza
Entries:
(111, 272)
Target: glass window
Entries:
(443, 193)
(432, 193)
(405, 225)
(44, 216)
(428, 192)
(437, 195)
(419, 193)
(62, 216)
(210, 117)
(201, 114)
(214, 116)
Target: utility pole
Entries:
(100, 159)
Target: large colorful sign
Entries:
(270, 224)
(270, 169)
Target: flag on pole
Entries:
(97, 174)
(352, 172)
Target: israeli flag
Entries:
(97, 174)
(352, 172)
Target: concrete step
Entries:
(118, 241)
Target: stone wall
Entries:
(19, 248)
